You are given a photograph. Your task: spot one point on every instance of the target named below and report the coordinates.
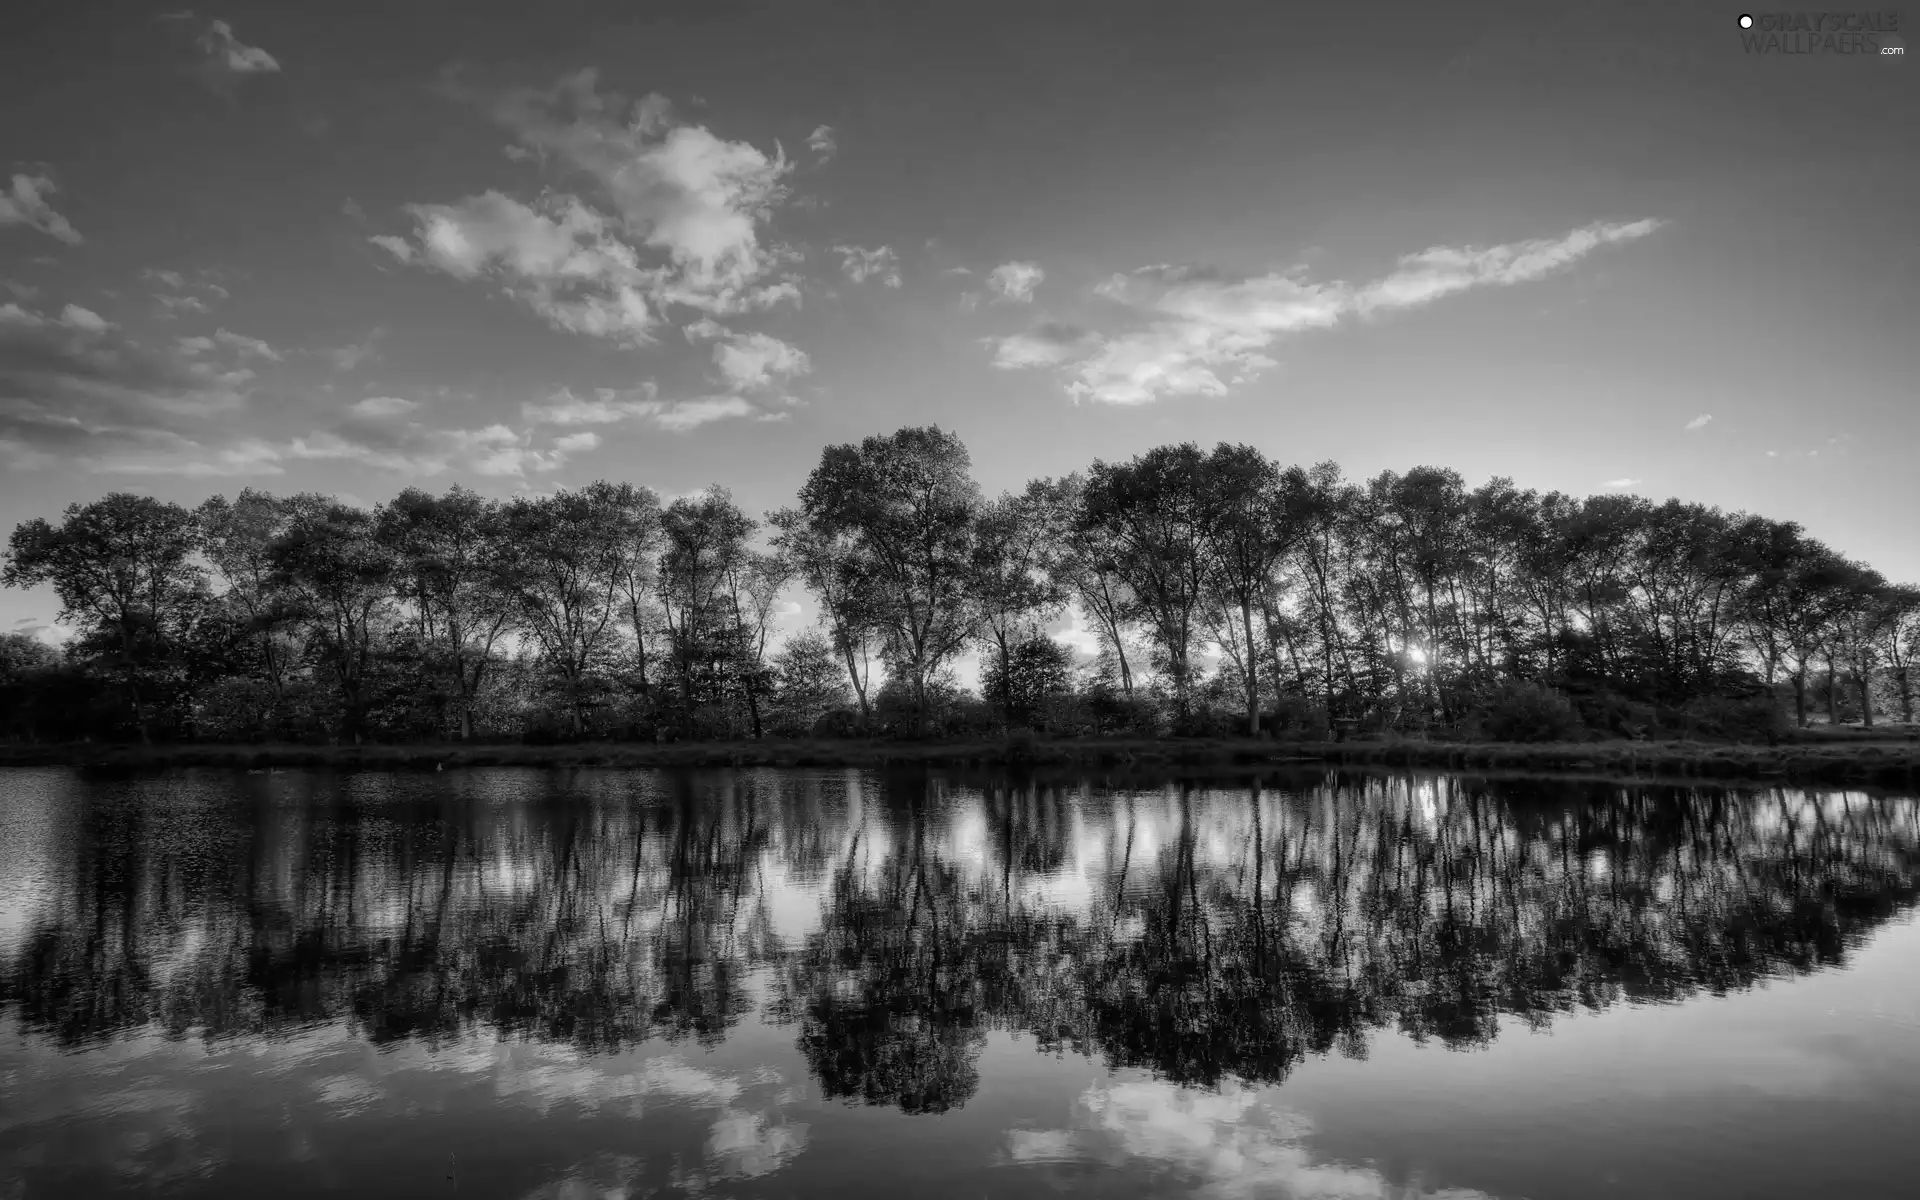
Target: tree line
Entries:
(1225, 593)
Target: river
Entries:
(614, 984)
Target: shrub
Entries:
(1528, 712)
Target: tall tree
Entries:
(124, 569)
(1153, 514)
(566, 556)
(450, 557)
(334, 579)
(830, 563)
(1254, 519)
(1014, 592)
(906, 505)
(706, 558)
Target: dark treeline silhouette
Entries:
(1205, 933)
(1225, 593)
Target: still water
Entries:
(615, 984)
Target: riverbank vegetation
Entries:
(1187, 593)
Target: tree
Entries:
(1035, 671)
(1253, 521)
(905, 507)
(1898, 630)
(809, 682)
(830, 564)
(1014, 592)
(334, 579)
(704, 570)
(1152, 516)
(1080, 562)
(237, 538)
(566, 555)
(124, 569)
(450, 563)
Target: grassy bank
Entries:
(1880, 761)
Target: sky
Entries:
(357, 247)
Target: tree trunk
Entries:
(1865, 683)
(1253, 674)
(1800, 697)
(859, 684)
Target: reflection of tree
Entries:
(1202, 933)
(890, 984)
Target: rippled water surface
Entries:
(616, 984)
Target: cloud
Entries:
(75, 391)
(346, 358)
(561, 259)
(1230, 1142)
(1443, 270)
(822, 142)
(84, 319)
(1699, 422)
(225, 60)
(608, 407)
(756, 361)
(697, 199)
(379, 440)
(577, 443)
(25, 203)
(681, 416)
(246, 347)
(1617, 484)
(1015, 281)
(1047, 344)
(860, 264)
(706, 329)
(396, 246)
(383, 406)
(1197, 332)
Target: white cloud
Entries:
(562, 259)
(174, 305)
(1699, 422)
(396, 246)
(1444, 270)
(191, 346)
(1230, 1142)
(1621, 483)
(697, 199)
(680, 416)
(75, 392)
(1045, 345)
(822, 142)
(607, 407)
(383, 406)
(346, 358)
(706, 329)
(25, 203)
(247, 347)
(84, 319)
(413, 449)
(577, 443)
(1198, 333)
(860, 264)
(756, 361)
(226, 59)
(1015, 281)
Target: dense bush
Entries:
(1522, 711)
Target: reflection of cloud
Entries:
(1229, 1143)
(743, 1144)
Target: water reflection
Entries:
(513, 927)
